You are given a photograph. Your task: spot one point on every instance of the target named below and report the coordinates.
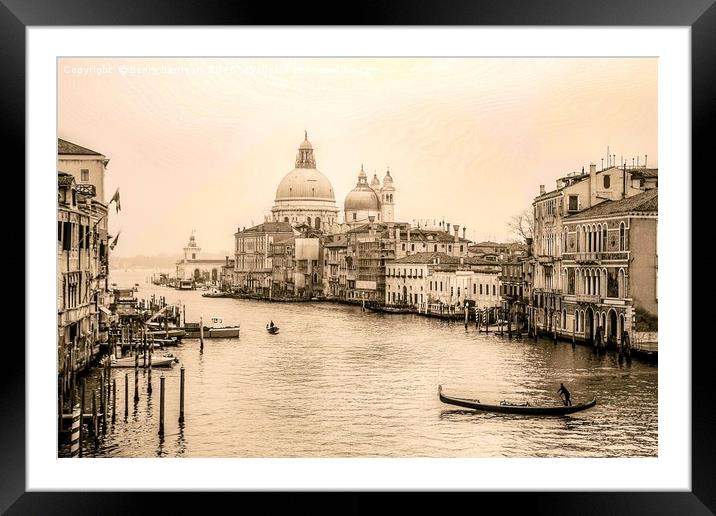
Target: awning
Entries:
(105, 310)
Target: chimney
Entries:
(592, 168)
(408, 234)
(457, 232)
(447, 225)
(227, 261)
(645, 156)
(541, 189)
(463, 232)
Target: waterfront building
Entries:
(573, 194)
(335, 251)
(430, 278)
(305, 195)
(513, 283)
(83, 295)
(226, 275)
(197, 266)
(253, 258)
(609, 272)
(370, 202)
(371, 245)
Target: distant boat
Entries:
(273, 330)
(514, 408)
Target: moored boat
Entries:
(514, 408)
(223, 332)
(273, 330)
(157, 361)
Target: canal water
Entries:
(340, 382)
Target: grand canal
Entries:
(340, 382)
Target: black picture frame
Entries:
(699, 15)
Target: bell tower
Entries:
(387, 200)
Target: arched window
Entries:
(622, 237)
(308, 220)
(622, 284)
(318, 223)
(579, 238)
(285, 219)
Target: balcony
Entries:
(545, 259)
(591, 257)
(86, 189)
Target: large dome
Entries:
(305, 183)
(362, 198)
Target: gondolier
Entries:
(564, 393)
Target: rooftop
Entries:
(65, 147)
(645, 202)
(270, 227)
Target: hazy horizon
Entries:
(201, 144)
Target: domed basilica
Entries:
(305, 196)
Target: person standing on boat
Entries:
(565, 393)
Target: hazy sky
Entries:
(203, 143)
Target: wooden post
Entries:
(487, 322)
(75, 432)
(144, 347)
(103, 405)
(466, 311)
(126, 396)
(201, 332)
(136, 385)
(82, 416)
(181, 395)
(183, 314)
(161, 405)
(114, 400)
(94, 415)
(166, 326)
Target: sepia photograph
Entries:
(305, 257)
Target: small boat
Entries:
(514, 408)
(176, 333)
(273, 330)
(157, 361)
(223, 332)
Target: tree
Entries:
(522, 225)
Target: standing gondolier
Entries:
(564, 393)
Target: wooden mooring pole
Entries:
(181, 395)
(114, 400)
(161, 405)
(126, 396)
(75, 433)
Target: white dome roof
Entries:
(362, 198)
(305, 183)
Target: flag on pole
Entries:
(115, 197)
(114, 242)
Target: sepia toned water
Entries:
(340, 382)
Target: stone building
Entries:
(197, 266)
(83, 295)
(609, 272)
(253, 258)
(574, 193)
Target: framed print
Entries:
(419, 255)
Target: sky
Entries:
(202, 143)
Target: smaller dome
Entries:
(361, 198)
(387, 178)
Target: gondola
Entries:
(273, 330)
(512, 408)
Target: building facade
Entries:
(83, 295)
(574, 193)
(197, 267)
(609, 272)
(370, 202)
(253, 255)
